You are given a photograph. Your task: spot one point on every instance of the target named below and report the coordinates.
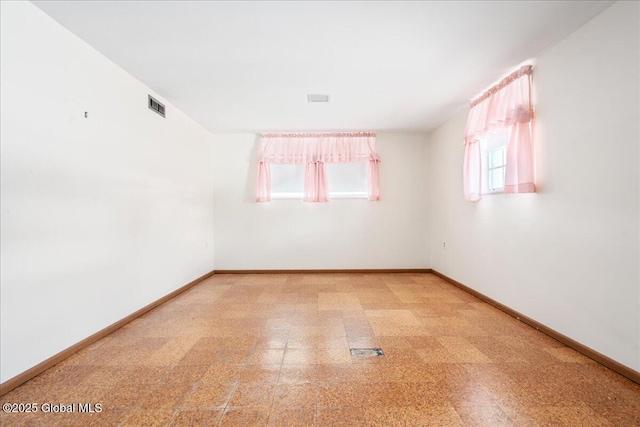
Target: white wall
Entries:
(341, 234)
(100, 216)
(567, 256)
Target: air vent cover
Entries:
(366, 352)
(317, 98)
(156, 106)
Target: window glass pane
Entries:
(496, 179)
(347, 177)
(493, 160)
(496, 139)
(484, 162)
(287, 178)
(497, 157)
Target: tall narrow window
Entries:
(497, 167)
(493, 161)
(507, 111)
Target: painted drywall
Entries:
(100, 216)
(567, 256)
(341, 234)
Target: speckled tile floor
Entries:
(245, 350)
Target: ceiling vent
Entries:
(317, 98)
(156, 106)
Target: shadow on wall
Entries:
(252, 175)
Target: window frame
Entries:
(299, 194)
(491, 167)
(289, 193)
(491, 143)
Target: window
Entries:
(316, 151)
(345, 180)
(507, 106)
(494, 161)
(287, 181)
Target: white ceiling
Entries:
(248, 66)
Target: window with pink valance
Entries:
(506, 106)
(314, 150)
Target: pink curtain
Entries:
(505, 106)
(374, 180)
(315, 183)
(519, 175)
(472, 172)
(314, 150)
(264, 183)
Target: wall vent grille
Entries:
(156, 106)
(314, 97)
(366, 352)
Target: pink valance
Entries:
(318, 147)
(505, 106)
(314, 150)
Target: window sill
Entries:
(349, 195)
(287, 196)
(341, 195)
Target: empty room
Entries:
(319, 213)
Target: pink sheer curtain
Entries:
(314, 150)
(505, 106)
(315, 183)
(264, 183)
(519, 175)
(472, 172)
(374, 180)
